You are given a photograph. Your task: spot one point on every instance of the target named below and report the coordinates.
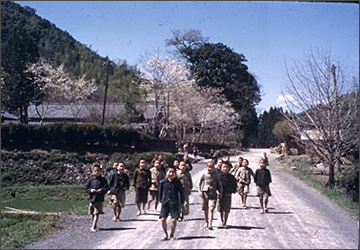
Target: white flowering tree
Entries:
(181, 105)
(55, 85)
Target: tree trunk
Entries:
(331, 181)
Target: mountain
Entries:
(59, 47)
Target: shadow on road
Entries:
(196, 237)
(194, 219)
(117, 228)
(243, 227)
(280, 212)
(138, 220)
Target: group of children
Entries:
(172, 185)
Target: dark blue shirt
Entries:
(169, 191)
(96, 183)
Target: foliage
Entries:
(19, 230)
(58, 134)
(349, 179)
(267, 121)
(17, 89)
(59, 48)
(218, 66)
(181, 106)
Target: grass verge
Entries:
(19, 230)
(336, 195)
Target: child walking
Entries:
(263, 179)
(170, 190)
(229, 187)
(156, 176)
(124, 184)
(184, 177)
(142, 181)
(210, 187)
(244, 180)
(96, 187)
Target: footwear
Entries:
(143, 212)
(226, 226)
(164, 238)
(138, 213)
(262, 212)
(93, 230)
(210, 228)
(115, 219)
(266, 210)
(172, 238)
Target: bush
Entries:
(349, 179)
(69, 134)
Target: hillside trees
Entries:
(17, 89)
(218, 66)
(58, 47)
(267, 121)
(323, 101)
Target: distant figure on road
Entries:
(263, 180)
(265, 158)
(170, 191)
(142, 182)
(96, 187)
(244, 180)
(210, 188)
(229, 187)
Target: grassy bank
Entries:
(317, 179)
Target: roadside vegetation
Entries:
(345, 193)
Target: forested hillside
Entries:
(59, 47)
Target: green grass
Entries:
(333, 194)
(19, 230)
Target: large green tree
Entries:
(18, 89)
(267, 121)
(218, 66)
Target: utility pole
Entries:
(106, 88)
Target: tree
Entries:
(17, 88)
(267, 121)
(323, 108)
(218, 66)
(282, 130)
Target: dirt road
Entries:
(299, 217)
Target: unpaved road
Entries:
(299, 217)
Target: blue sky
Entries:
(267, 33)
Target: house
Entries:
(7, 117)
(87, 113)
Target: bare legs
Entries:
(95, 218)
(164, 227)
(209, 215)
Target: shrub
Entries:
(349, 179)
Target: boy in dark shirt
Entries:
(124, 184)
(229, 187)
(170, 190)
(96, 187)
(263, 179)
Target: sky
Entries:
(270, 34)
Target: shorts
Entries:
(263, 191)
(113, 200)
(154, 194)
(172, 209)
(224, 204)
(243, 188)
(206, 202)
(96, 208)
(141, 195)
(122, 197)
